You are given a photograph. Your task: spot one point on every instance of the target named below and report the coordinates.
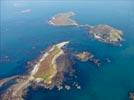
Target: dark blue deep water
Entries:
(24, 35)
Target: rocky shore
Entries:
(17, 90)
(48, 72)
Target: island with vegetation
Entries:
(48, 72)
(101, 32)
(106, 33)
(63, 19)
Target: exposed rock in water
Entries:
(106, 34)
(87, 56)
(77, 86)
(60, 87)
(131, 95)
(67, 87)
(84, 56)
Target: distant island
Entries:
(63, 19)
(101, 32)
(106, 33)
(84, 56)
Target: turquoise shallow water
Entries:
(21, 32)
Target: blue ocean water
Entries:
(24, 35)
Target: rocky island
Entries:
(48, 72)
(63, 19)
(84, 56)
(101, 32)
(87, 56)
(106, 33)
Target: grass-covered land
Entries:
(47, 67)
(106, 33)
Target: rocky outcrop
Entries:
(87, 56)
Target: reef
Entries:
(84, 56)
(88, 56)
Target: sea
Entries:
(25, 33)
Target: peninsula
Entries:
(63, 19)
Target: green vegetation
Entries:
(106, 33)
(47, 68)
